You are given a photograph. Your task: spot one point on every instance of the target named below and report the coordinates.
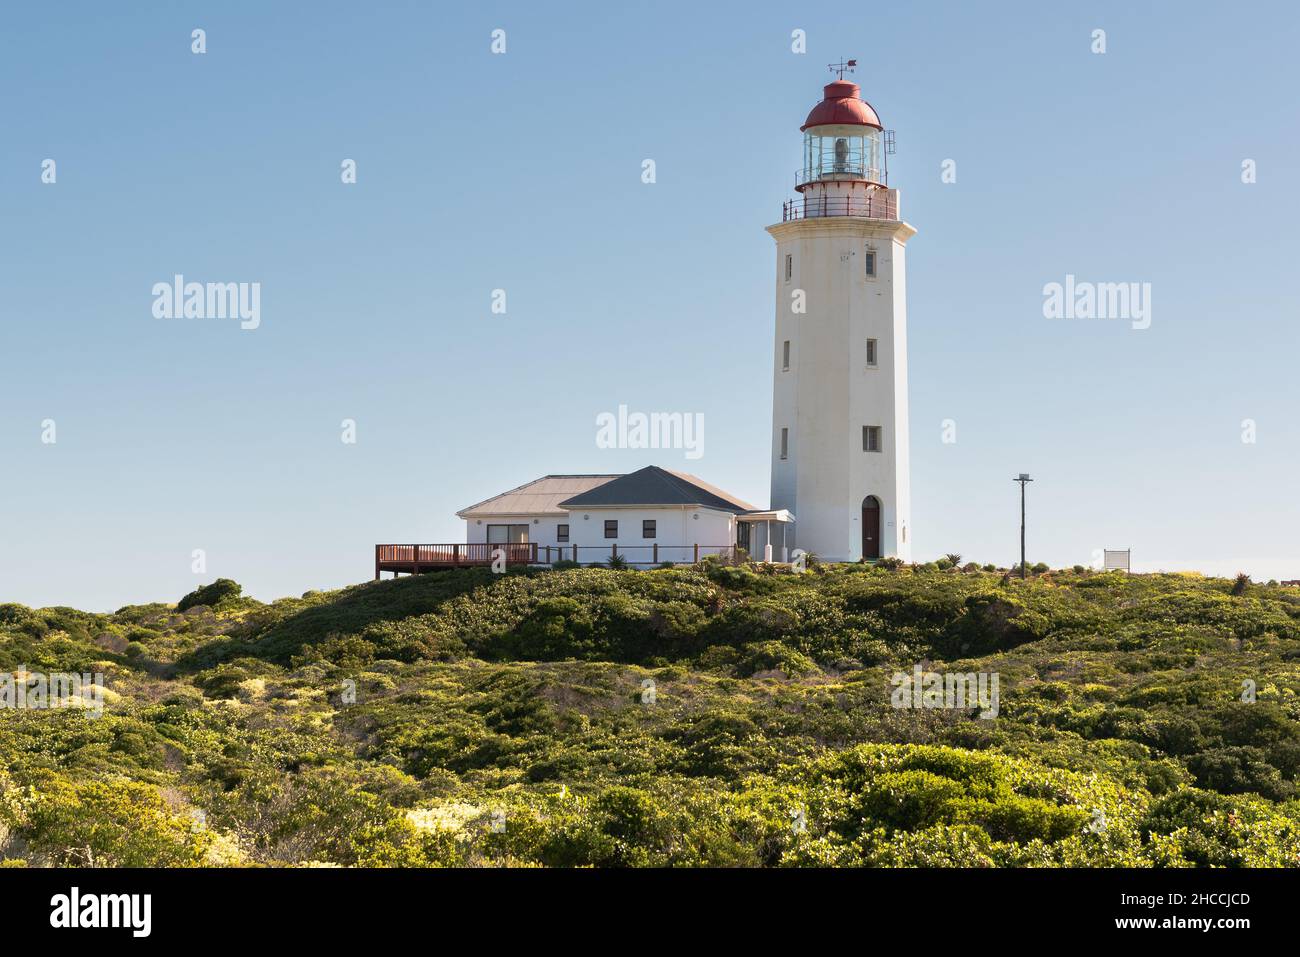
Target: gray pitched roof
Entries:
(655, 486)
(538, 497)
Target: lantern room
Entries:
(843, 139)
(842, 153)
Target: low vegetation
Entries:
(710, 715)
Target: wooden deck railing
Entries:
(413, 559)
(416, 558)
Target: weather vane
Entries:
(843, 67)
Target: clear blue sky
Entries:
(523, 172)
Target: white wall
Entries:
(829, 393)
(677, 531)
(541, 528)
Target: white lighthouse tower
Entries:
(839, 408)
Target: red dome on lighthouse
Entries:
(843, 106)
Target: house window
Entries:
(561, 533)
(871, 352)
(611, 528)
(648, 528)
(789, 267)
(507, 534)
(785, 354)
(785, 443)
(870, 259)
(871, 438)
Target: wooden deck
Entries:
(413, 559)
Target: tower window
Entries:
(871, 438)
(785, 355)
(789, 266)
(871, 352)
(611, 528)
(785, 443)
(561, 533)
(648, 528)
(870, 259)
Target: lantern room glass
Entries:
(842, 152)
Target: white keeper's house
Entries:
(840, 472)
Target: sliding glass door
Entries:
(507, 534)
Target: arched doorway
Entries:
(871, 528)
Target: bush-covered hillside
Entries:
(687, 716)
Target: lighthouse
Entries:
(839, 405)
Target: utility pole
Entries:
(1024, 479)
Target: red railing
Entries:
(869, 204)
(414, 559)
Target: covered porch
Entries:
(766, 534)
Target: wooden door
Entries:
(871, 528)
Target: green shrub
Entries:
(912, 788)
(774, 656)
(107, 824)
(1121, 739)
(213, 595)
(1239, 770)
(1204, 829)
(13, 614)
